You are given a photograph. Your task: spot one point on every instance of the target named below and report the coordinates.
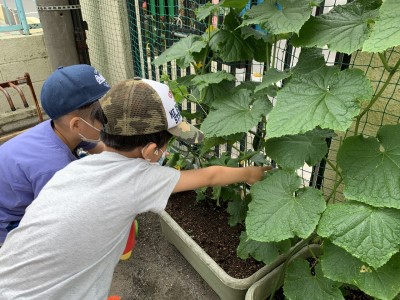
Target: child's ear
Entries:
(74, 124)
(149, 150)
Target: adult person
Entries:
(72, 235)
(29, 160)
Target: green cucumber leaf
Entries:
(303, 65)
(209, 143)
(286, 16)
(382, 283)
(371, 167)
(280, 210)
(291, 151)
(271, 76)
(301, 284)
(230, 46)
(237, 209)
(225, 159)
(249, 32)
(368, 233)
(386, 32)
(234, 115)
(261, 251)
(239, 4)
(202, 81)
(182, 51)
(343, 29)
(205, 10)
(215, 92)
(327, 97)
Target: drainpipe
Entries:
(58, 31)
(80, 27)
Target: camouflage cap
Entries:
(143, 106)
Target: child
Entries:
(72, 235)
(29, 160)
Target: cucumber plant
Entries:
(291, 113)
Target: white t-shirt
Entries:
(72, 235)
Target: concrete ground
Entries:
(156, 270)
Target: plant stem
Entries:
(198, 103)
(376, 97)
(273, 53)
(268, 57)
(256, 134)
(334, 189)
(264, 131)
(209, 63)
(336, 179)
(207, 47)
(333, 166)
(244, 189)
(312, 252)
(238, 150)
(337, 173)
(382, 56)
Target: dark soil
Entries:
(208, 225)
(354, 294)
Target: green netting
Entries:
(385, 111)
(108, 38)
(125, 37)
(155, 26)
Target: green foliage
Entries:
(306, 56)
(327, 97)
(382, 283)
(386, 32)
(288, 16)
(371, 167)
(301, 284)
(239, 4)
(182, 51)
(209, 143)
(265, 252)
(237, 209)
(361, 236)
(270, 77)
(233, 115)
(369, 233)
(344, 28)
(281, 210)
(291, 151)
(203, 81)
(206, 10)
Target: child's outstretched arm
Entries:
(218, 176)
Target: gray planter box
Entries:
(227, 287)
(263, 288)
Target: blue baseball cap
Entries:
(69, 88)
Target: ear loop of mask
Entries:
(85, 139)
(160, 161)
(162, 158)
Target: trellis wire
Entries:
(155, 25)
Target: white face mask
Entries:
(162, 158)
(85, 139)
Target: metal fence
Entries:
(155, 25)
(15, 19)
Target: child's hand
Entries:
(256, 173)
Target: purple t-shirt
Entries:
(27, 162)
